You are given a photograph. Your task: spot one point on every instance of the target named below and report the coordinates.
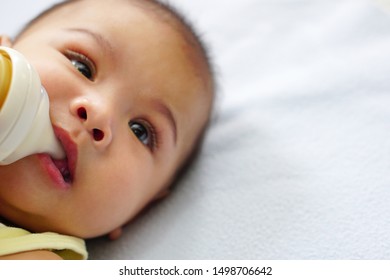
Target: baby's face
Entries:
(127, 102)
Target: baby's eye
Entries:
(82, 63)
(143, 132)
(83, 68)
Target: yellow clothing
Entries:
(16, 240)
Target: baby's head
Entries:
(131, 91)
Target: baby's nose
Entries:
(95, 118)
(97, 133)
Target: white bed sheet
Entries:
(296, 163)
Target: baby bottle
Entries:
(25, 126)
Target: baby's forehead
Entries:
(169, 16)
(160, 15)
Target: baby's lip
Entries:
(67, 166)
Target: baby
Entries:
(131, 90)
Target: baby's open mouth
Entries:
(66, 166)
(61, 171)
(63, 167)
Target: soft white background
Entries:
(296, 164)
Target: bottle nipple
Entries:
(25, 126)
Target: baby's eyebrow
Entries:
(167, 113)
(100, 40)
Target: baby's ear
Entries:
(162, 194)
(5, 41)
(115, 234)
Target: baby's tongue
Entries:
(62, 165)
